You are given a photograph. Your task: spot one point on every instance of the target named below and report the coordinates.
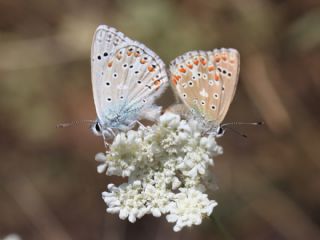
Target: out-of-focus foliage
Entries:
(268, 184)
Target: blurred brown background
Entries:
(269, 183)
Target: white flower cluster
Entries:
(167, 166)
(12, 236)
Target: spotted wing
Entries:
(127, 80)
(206, 81)
(105, 42)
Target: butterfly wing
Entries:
(105, 41)
(126, 80)
(206, 81)
(180, 109)
(228, 65)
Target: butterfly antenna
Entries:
(242, 123)
(74, 123)
(235, 131)
(225, 126)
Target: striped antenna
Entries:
(226, 126)
(74, 123)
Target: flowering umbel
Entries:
(168, 170)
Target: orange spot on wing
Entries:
(196, 61)
(190, 66)
(109, 64)
(157, 83)
(119, 56)
(217, 58)
(175, 79)
(211, 68)
(216, 77)
(129, 53)
(203, 61)
(136, 54)
(142, 61)
(182, 70)
(150, 69)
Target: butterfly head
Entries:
(216, 131)
(99, 130)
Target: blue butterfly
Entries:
(127, 77)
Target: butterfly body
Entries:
(206, 81)
(127, 77)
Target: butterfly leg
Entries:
(108, 134)
(131, 125)
(106, 144)
(112, 132)
(140, 124)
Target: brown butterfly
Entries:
(206, 82)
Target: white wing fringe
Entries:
(153, 113)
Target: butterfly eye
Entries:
(190, 83)
(210, 82)
(136, 72)
(96, 129)
(229, 74)
(105, 54)
(224, 72)
(115, 75)
(184, 95)
(108, 83)
(109, 99)
(216, 96)
(205, 76)
(125, 65)
(139, 82)
(220, 132)
(203, 102)
(213, 107)
(193, 77)
(99, 57)
(121, 97)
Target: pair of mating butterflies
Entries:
(127, 77)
